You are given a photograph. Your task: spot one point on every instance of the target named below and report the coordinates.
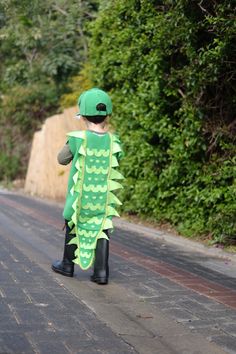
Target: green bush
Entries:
(170, 68)
(23, 110)
(10, 165)
(43, 44)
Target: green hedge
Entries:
(170, 68)
(22, 111)
(42, 45)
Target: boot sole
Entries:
(100, 281)
(56, 270)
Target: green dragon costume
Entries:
(90, 203)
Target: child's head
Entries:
(95, 105)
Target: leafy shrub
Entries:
(23, 110)
(170, 68)
(43, 44)
(76, 86)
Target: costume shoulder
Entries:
(117, 146)
(80, 134)
(75, 139)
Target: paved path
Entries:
(162, 297)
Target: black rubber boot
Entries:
(101, 268)
(66, 266)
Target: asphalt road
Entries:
(163, 297)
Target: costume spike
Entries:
(113, 185)
(115, 174)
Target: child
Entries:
(90, 202)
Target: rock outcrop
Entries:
(45, 177)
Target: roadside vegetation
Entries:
(42, 45)
(170, 69)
